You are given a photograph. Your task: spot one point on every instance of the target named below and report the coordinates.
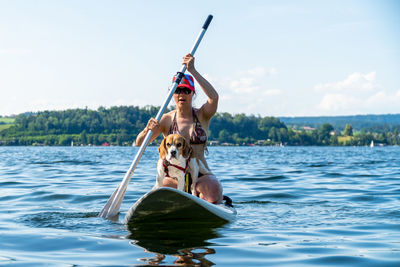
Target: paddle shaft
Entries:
(113, 205)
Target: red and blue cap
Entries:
(187, 81)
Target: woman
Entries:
(192, 124)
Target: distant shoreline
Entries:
(119, 126)
(219, 146)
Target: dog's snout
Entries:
(173, 153)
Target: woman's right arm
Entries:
(152, 125)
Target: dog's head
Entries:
(174, 146)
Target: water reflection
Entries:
(186, 257)
(185, 240)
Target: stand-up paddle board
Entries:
(171, 204)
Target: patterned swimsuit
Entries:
(198, 136)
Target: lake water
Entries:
(297, 206)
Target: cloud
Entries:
(244, 85)
(383, 99)
(250, 81)
(357, 93)
(356, 82)
(247, 91)
(335, 102)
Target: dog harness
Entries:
(167, 164)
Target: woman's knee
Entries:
(209, 189)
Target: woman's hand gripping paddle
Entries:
(113, 205)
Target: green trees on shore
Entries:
(120, 126)
(116, 125)
(348, 130)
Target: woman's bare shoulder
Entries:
(171, 113)
(167, 117)
(166, 121)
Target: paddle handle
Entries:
(208, 21)
(182, 71)
(113, 205)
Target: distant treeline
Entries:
(115, 125)
(371, 123)
(120, 126)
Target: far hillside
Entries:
(6, 122)
(374, 123)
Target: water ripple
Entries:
(296, 206)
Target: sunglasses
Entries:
(183, 90)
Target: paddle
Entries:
(113, 205)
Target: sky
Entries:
(264, 57)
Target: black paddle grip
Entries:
(208, 21)
(178, 77)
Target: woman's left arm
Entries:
(210, 107)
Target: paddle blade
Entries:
(105, 212)
(111, 209)
(112, 206)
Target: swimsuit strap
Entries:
(195, 119)
(174, 126)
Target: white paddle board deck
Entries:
(171, 204)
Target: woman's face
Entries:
(183, 96)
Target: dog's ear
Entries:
(186, 151)
(162, 149)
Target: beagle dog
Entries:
(175, 161)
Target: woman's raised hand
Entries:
(188, 60)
